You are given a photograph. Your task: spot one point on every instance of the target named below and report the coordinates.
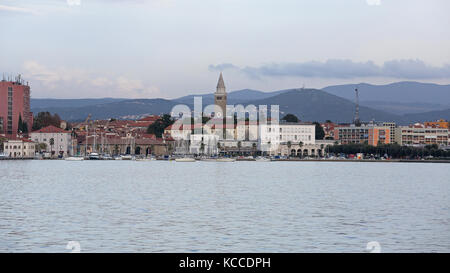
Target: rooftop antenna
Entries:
(356, 120)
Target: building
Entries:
(19, 148)
(57, 140)
(14, 106)
(370, 134)
(419, 134)
(438, 124)
(115, 145)
(275, 138)
(203, 144)
(220, 97)
(392, 130)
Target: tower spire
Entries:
(220, 84)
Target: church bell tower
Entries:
(220, 97)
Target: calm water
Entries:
(158, 206)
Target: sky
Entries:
(173, 48)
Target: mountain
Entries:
(49, 103)
(398, 98)
(401, 108)
(234, 97)
(428, 116)
(307, 104)
(317, 105)
(118, 109)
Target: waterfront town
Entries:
(46, 136)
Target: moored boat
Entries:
(185, 159)
(94, 156)
(226, 159)
(74, 158)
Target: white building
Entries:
(19, 148)
(418, 134)
(203, 144)
(273, 136)
(57, 140)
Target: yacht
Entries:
(185, 159)
(94, 156)
(262, 159)
(226, 159)
(126, 157)
(74, 158)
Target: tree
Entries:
(41, 147)
(20, 125)
(320, 134)
(300, 144)
(157, 127)
(254, 148)
(239, 144)
(44, 119)
(2, 140)
(289, 145)
(52, 142)
(202, 147)
(290, 118)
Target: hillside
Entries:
(406, 92)
(119, 109)
(317, 105)
(50, 103)
(308, 104)
(234, 97)
(427, 116)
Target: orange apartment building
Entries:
(370, 134)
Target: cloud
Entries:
(373, 2)
(221, 67)
(70, 82)
(345, 69)
(73, 2)
(17, 9)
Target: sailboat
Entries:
(73, 158)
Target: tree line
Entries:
(392, 150)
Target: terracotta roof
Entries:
(21, 139)
(149, 118)
(51, 129)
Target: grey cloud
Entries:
(345, 69)
(221, 67)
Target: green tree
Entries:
(202, 147)
(44, 119)
(2, 141)
(52, 142)
(20, 125)
(320, 134)
(157, 128)
(300, 144)
(290, 118)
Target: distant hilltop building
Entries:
(15, 115)
(220, 97)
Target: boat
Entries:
(106, 157)
(143, 159)
(94, 156)
(262, 159)
(209, 159)
(126, 157)
(226, 159)
(74, 158)
(185, 159)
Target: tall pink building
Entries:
(14, 104)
